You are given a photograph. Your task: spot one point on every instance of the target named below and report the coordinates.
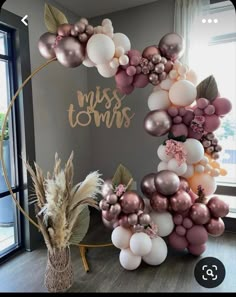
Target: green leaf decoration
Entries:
(207, 88)
(122, 176)
(81, 226)
(53, 18)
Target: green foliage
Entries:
(6, 132)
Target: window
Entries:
(216, 54)
(9, 217)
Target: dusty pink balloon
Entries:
(125, 90)
(215, 227)
(188, 117)
(218, 207)
(157, 122)
(197, 235)
(149, 51)
(178, 219)
(131, 70)
(159, 202)
(180, 201)
(167, 182)
(179, 130)
(222, 106)
(180, 230)
(130, 202)
(46, 45)
(197, 250)
(187, 223)
(195, 135)
(140, 80)
(212, 123)
(148, 185)
(177, 242)
(199, 213)
(123, 79)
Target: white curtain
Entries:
(188, 23)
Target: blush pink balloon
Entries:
(123, 79)
(134, 57)
(212, 123)
(130, 202)
(222, 106)
(159, 202)
(215, 227)
(199, 213)
(177, 242)
(188, 117)
(187, 223)
(180, 201)
(131, 70)
(197, 235)
(140, 80)
(149, 51)
(125, 90)
(218, 207)
(180, 230)
(179, 130)
(197, 250)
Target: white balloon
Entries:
(122, 40)
(100, 48)
(166, 84)
(123, 60)
(159, 100)
(173, 165)
(158, 252)
(162, 166)
(106, 70)
(182, 93)
(140, 244)
(189, 172)
(120, 237)
(194, 149)
(164, 222)
(87, 62)
(106, 22)
(128, 260)
(199, 168)
(161, 153)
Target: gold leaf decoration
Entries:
(81, 226)
(207, 88)
(53, 17)
(122, 176)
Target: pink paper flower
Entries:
(197, 124)
(120, 189)
(176, 149)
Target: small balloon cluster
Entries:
(134, 232)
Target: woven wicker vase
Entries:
(59, 273)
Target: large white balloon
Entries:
(161, 153)
(189, 172)
(162, 166)
(194, 149)
(158, 252)
(164, 222)
(179, 169)
(159, 100)
(100, 48)
(106, 70)
(166, 84)
(128, 260)
(140, 244)
(182, 93)
(121, 40)
(120, 237)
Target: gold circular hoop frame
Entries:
(81, 246)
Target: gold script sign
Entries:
(114, 114)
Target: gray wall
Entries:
(54, 88)
(144, 25)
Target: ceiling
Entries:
(92, 8)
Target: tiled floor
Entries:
(6, 237)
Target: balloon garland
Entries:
(176, 204)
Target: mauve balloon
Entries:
(180, 201)
(172, 46)
(215, 227)
(70, 52)
(157, 122)
(177, 242)
(148, 185)
(184, 185)
(46, 45)
(197, 235)
(167, 182)
(218, 207)
(159, 202)
(123, 221)
(130, 202)
(197, 250)
(199, 213)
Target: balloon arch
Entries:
(177, 203)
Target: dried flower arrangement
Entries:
(62, 213)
